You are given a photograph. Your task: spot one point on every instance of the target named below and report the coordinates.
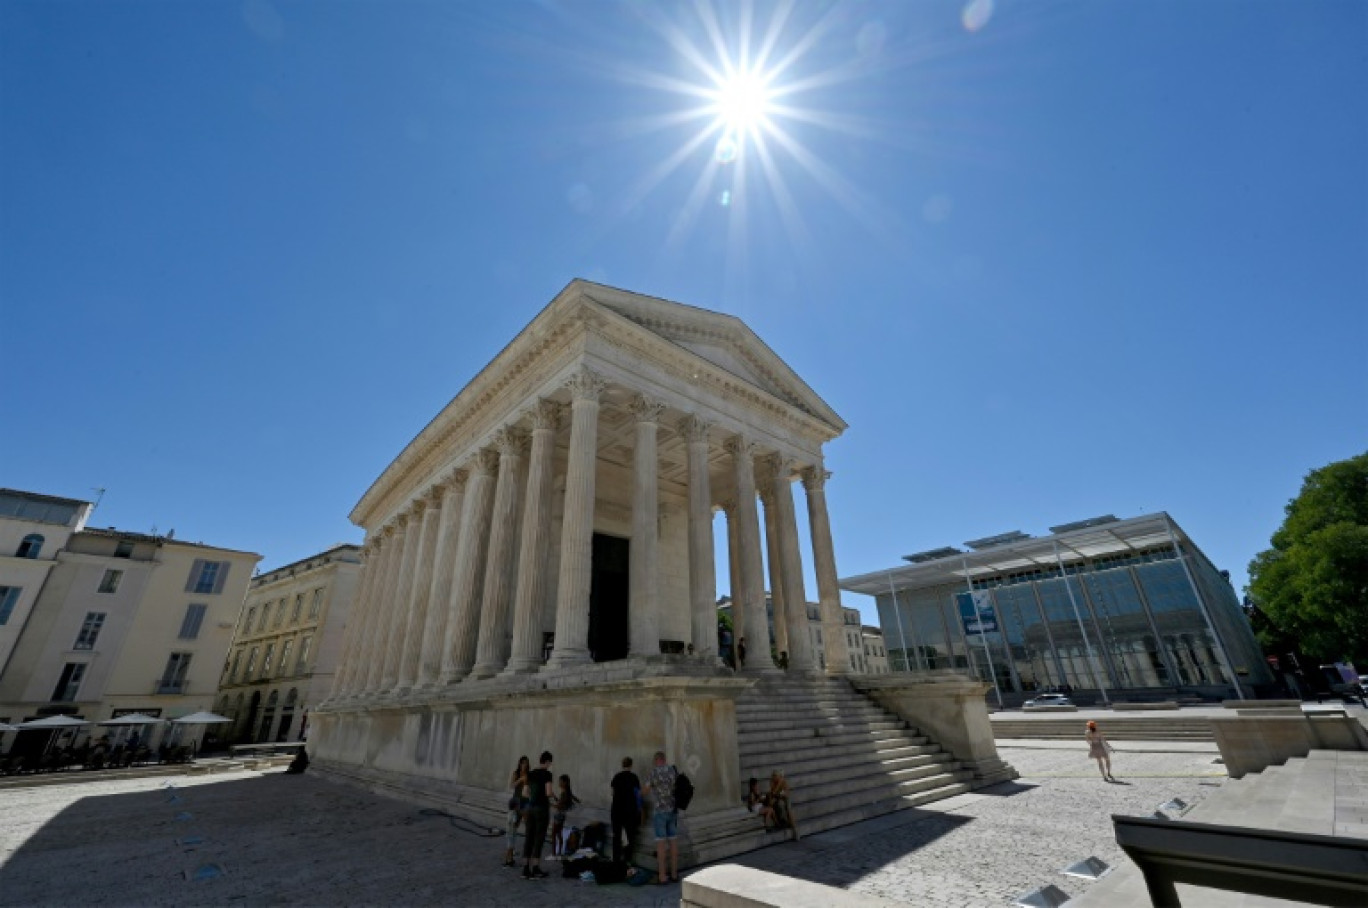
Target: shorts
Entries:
(666, 823)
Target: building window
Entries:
(9, 597)
(173, 676)
(285, 656)
(69, 682)
(303, 655)
(298, 607)
(109, 583)
(251, 664)
(207, 577)
(90, 629)
(190, 625)
(247, 625)
(266, 660)
(280, 612)
(237, 660)
(124, 549)
(316, 603)
(265, 616)
(30, 547)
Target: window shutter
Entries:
(222, 575)
(194, 617)
(194, 575)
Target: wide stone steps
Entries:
(845, 758)
(1156, 728)
(817, 762)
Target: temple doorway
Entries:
(609, 595)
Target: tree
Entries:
(1313, 582)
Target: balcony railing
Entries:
(168, 686)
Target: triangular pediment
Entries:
(723, 340)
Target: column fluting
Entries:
(702, 571)
(496, 610)
(403, 598)
(577, 533)
(467, 582)
(791, 564)
(439, 594)
(644, 555)
(824, 566)
(385, 604)
(534, 546)
(419, 604)
(779, 625)
(751, 558)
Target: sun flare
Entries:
(742, 102)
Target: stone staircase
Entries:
(1070, 726)
(846, 758)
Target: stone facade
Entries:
(539, 559)
(287, 645)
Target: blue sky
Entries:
(1081, 258)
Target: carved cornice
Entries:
(586, 384)
(814, 478)
(546, 415)
(646, 409)
(694, 429)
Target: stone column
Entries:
(791, 565)
(577, 530)
(751, 559)
(824, 564)
(496, 611)
(776, 574)
(533, 547)
(385, 603)
(365, 645)
(738, 607)
(467, 580)
(702, 572)
(644, 555)
(403, 598)
(419, 605)
(439, 593)
(347, 663)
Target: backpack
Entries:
(683, 791)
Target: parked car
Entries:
(1049, 700)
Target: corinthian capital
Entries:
(545, 415)
(776, 468)
(510, 442)
(586, 384)
(484, 462)
(646, 409)
(814, 478)
(739, 446)
(694, 429)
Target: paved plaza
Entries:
(282, 839)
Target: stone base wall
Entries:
(1252, 743)
(458, 748)
(950, 708)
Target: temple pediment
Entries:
(723, 340)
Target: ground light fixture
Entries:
(1171, 810)
(1090, 868)
(1044, 897)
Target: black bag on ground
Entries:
(606, 872)
(595, 836)
(683, 791)
(571, 870)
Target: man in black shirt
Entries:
(538, 817)
(626, 810)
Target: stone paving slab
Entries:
(304, 840)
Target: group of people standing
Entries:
(537, 801)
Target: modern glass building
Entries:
(1119, 609)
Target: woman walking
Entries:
(1099, 750)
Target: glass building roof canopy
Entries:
(1094, 540)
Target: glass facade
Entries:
(1135, 621)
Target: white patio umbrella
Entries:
(53, 724)
(4, 727)
(132, 719)
(201, 718)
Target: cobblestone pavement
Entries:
(306, 841)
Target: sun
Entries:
(742, 102)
